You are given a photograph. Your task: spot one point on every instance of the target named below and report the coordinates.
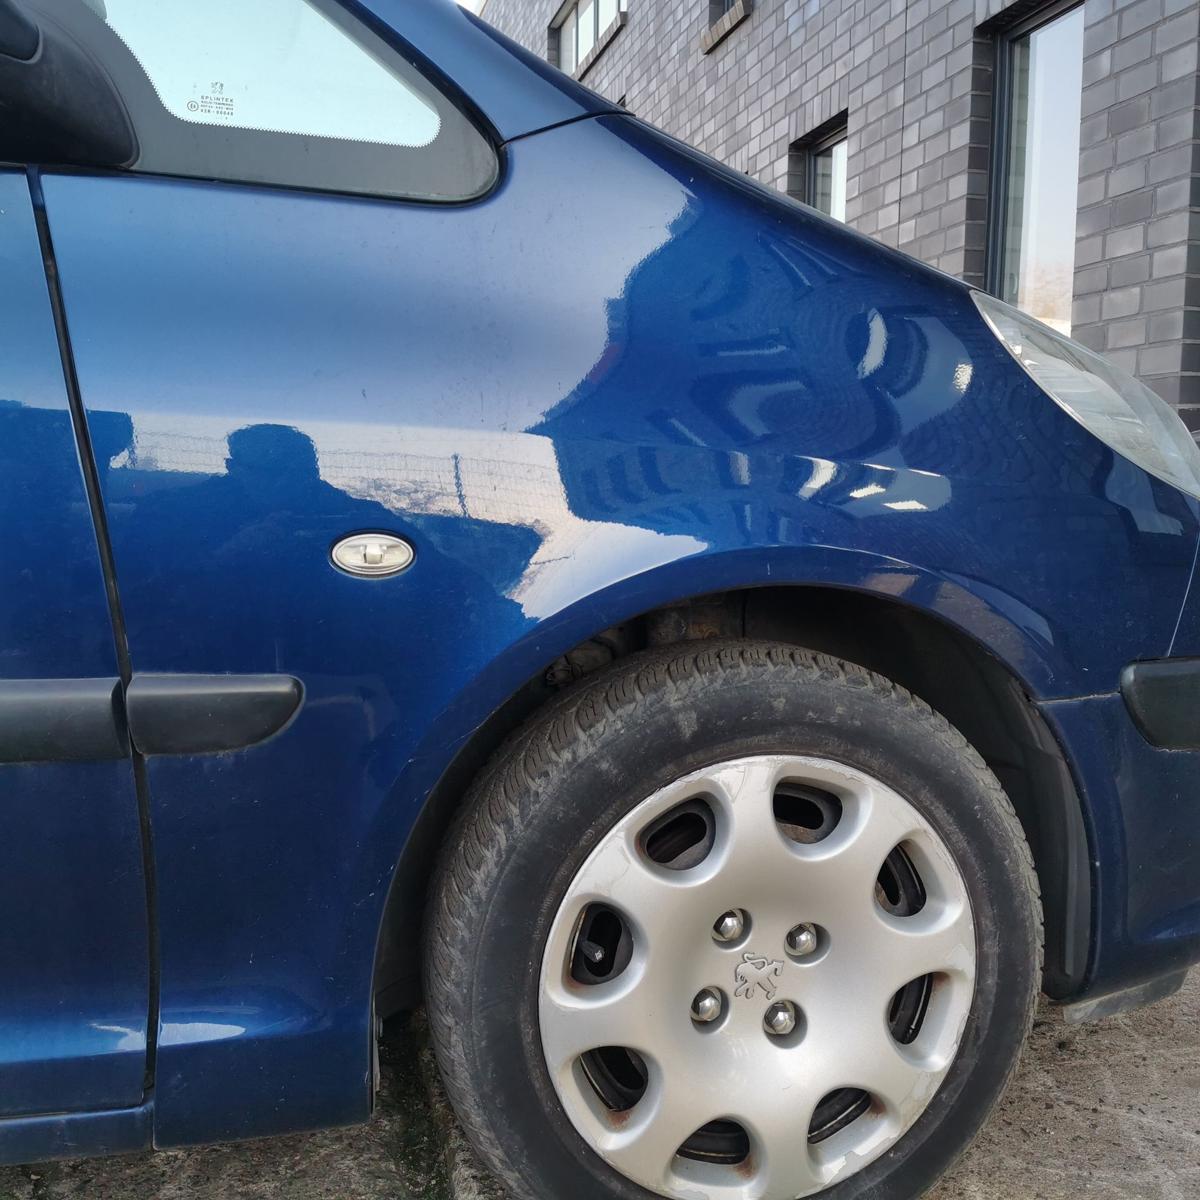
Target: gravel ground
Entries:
(1099, 1112)
(1109, 1111)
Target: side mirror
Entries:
(57, 105)
(19, 36)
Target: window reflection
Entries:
(1042, 184)
(568, 60)
(829, 179)
(586, 30)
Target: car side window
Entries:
(297, 93)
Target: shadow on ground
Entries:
(1099, 1112)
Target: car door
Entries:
(267, 332)
(74, 974)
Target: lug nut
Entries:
(802, 941)
(780, 1019)
(707, 1006)
(729, 926)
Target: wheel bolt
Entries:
(802, 941)
(707, 1006)
(729, 926)
(780, 1019)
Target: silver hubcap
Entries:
(690, 1054)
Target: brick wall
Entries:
(915, 80)
(1136, 282)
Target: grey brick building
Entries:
(1048, 152)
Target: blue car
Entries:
(463, 547)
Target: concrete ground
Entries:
(1100, 1112)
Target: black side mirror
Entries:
(18, 34)
(57, 105)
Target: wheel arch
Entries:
(920, 649)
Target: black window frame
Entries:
(1005, 39)
(461, 165)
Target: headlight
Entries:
(1120, 411)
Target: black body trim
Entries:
(1138, 996)
(1163, 698)
(61, 720)
(208, 714)
(91, 481)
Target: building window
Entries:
(1039, 93)
(829, 179)
(724, 16)
(817, 170)
(582, 30)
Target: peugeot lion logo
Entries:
(756, 973)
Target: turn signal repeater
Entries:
(372, 555)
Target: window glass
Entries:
(1042, 185)
(275, 65)
(291, 93)
(578, 32)
(829, 166)
(567, 60)
(587, 28)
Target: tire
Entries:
(551, 802)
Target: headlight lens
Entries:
(1120, 411)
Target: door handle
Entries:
(88, 720)
(208, 714)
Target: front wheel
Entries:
(732, 920)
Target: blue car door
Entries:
(74, 979)
(250, 287)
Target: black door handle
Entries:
(208, 714)
(88, 720)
